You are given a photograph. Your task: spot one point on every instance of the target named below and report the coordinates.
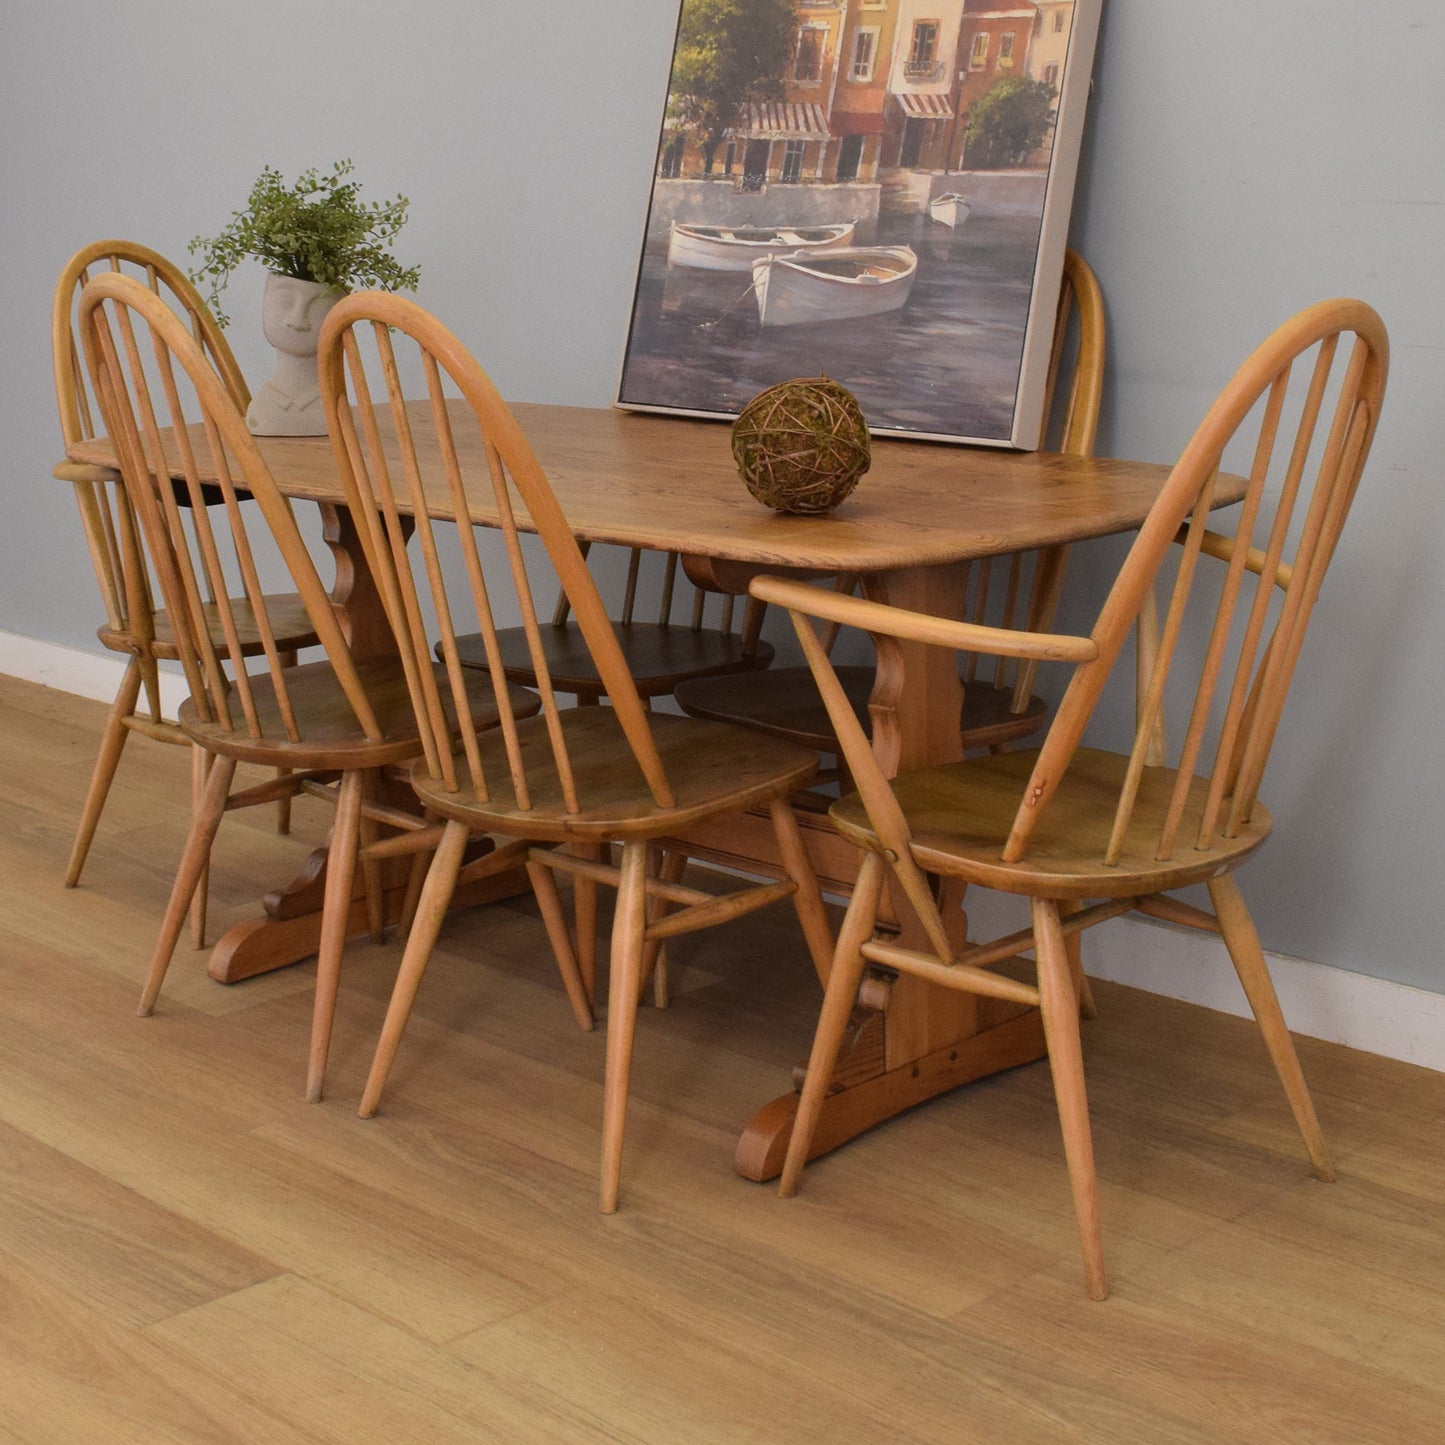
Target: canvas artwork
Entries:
(874, 190)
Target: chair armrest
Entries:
(919, 626)
(83, 472)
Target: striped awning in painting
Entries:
(781, 121)
(924, 107)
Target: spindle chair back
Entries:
(168, 411)
(680, 601)
(172, 420)
(562, 786)
(1087, 834)
(387, 479)
(1023, 590)
(134, 626)
(670, 628)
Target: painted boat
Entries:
(950, 208)
(735, 248)
(856, 281)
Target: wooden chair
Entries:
(564, 786)
(999, 705)
(681, 642)
(133, 625)
(344, 717)
(1087, 834)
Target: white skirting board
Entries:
(94, 675)
(1321, 1002)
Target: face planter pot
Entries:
(291, 315)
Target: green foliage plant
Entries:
(318, 229)
(1009, 123)
(730, 53)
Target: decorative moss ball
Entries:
(802, 445)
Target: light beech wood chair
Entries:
(559, 788)
(692, 633)
(1086, 834)
(133, 625)
(333, 726)
(999, 705)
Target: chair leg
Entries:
(844, 975)
(200, 770)
(654, 954)
(193, 860)
(112, 740)
(335, 915)
(371, 867)
(151, 677)
(1074, 944)
(1059, 1004)
(628, 930)
(283, 805)
(1244, 948)
(584, 914)
(808, 900)
(416, 876)
(436, 894)
(554, 918)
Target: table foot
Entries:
(860, 1103)
(259, 945)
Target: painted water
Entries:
(946, 363)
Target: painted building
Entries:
(921, 109)
(872, 87)
(788, 141)
(995, 40)
(1047, 54)
(857, 115)
(1050, 47)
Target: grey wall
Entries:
(1242, 160)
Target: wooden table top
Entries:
(671, 484)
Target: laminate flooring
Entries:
(191, 1253)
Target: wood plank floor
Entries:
(189, 1252)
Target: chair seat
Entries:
(960, 816)
(659, 657)
(332, 736)
(712, 767)
(288, 617)
(784, 703)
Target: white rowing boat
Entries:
(857, 281)
(950, 208)
(735, 248)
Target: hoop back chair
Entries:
(1087, 834)
(1022, 590)
(133, 625)
(679, 642)
(168, 413)
(574, 779)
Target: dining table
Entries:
(919, 516)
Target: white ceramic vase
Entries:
(289, 405)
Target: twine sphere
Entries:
(802, 445)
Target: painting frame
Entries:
(819, 191)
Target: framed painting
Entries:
(874, 190)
